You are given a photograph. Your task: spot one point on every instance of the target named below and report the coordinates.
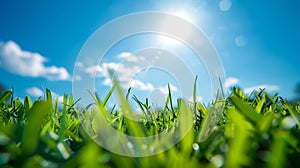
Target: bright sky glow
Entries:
(168, 41)
(185, 14)
(39, 43)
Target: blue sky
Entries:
(257, 41)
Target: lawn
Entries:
(257, 130)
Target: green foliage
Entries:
(252, 131)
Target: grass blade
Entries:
(32, 129)
(63, 122)
(195, 97)
(245, 109)
(260, 104)
(210, 122)
(5, 96)
(295, 115)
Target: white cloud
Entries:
(225, 5)
(34, 91)
(130, 57)
(124, 54)
(133, 58)
(95, 70)
(136, 84)
(57, 96)
(25, 63)
(107, 82)
(124, 74)
(55, 73)
(101, 71)
(165, 90)
(79, 64)
(231, 81)
(268, 88)
(141, 85)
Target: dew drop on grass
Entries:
(129, 145)
(151, 149)
(195, 146)
(288, 122)
(217, 160)
(63, 151)
(144, 147)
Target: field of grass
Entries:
(259, 130)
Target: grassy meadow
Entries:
(257, 130)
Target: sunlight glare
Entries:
(184, 13)
(164, 40)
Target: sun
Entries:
(184, 11)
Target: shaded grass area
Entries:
(259, 130)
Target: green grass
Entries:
(252, 132)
